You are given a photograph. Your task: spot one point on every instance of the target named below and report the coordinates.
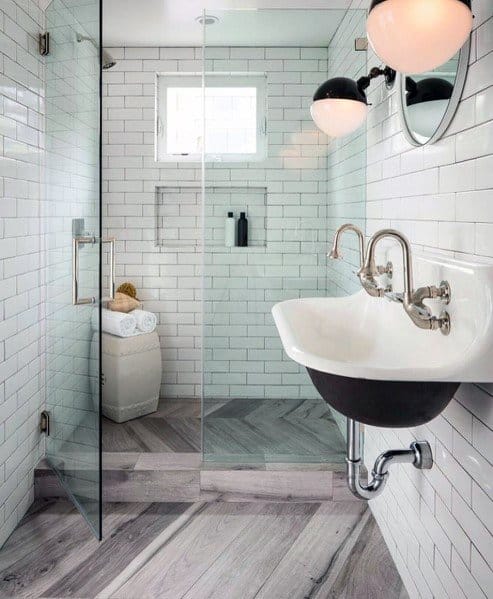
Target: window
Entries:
(235, 117)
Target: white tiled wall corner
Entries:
(242, 349)
(438, 524)
(346, 168)
(21, 256)
(346, 198)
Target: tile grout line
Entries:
(337, 562)
(150, 551)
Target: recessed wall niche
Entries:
(179, 214)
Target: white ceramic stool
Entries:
(132, 371)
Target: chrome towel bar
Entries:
(77, 242)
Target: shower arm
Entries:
(85, 38)
(106, 59)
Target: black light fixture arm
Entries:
(389, 74)
(411, 85)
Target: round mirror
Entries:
(428, 101)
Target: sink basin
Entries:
(371, 363)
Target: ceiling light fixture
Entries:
(414, 36)
(340, 105)
(207, 20)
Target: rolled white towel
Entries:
(116, 323)
(146, 321)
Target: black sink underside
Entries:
(394, 404)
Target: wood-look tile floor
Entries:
(272, 430)
(199, 551)
(175, 427)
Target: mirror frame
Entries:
(460, 80)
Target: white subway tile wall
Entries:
(72, 192)
(438, 523)
(346, 168)
(347, 177)
(21, 256)
(243, 352)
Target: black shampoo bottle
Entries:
(242, 230)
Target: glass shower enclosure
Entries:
(73, 269)
(264, 157)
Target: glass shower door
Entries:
(265, 158)
(73, 249)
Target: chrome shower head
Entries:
(107, 61)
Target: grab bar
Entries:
(76, 243)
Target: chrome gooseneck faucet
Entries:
(419, 453)
(368, 271)
(411, 299)
(335, 253)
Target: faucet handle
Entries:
(369, 284)
(388, 270)
(444, 323)
(433, 292)
(442, 292)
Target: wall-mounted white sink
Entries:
(370, 362)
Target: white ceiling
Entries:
(173, 22)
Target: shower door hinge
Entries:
(361, 44)
(103, 379)
(262, 128)
(44, 43)
(44, 422)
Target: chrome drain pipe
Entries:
(419, 455)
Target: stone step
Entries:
(183, 477)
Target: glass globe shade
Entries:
(414, 36)
(338, 117)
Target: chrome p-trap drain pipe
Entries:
(419, 455)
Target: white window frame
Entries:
(230, 79)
